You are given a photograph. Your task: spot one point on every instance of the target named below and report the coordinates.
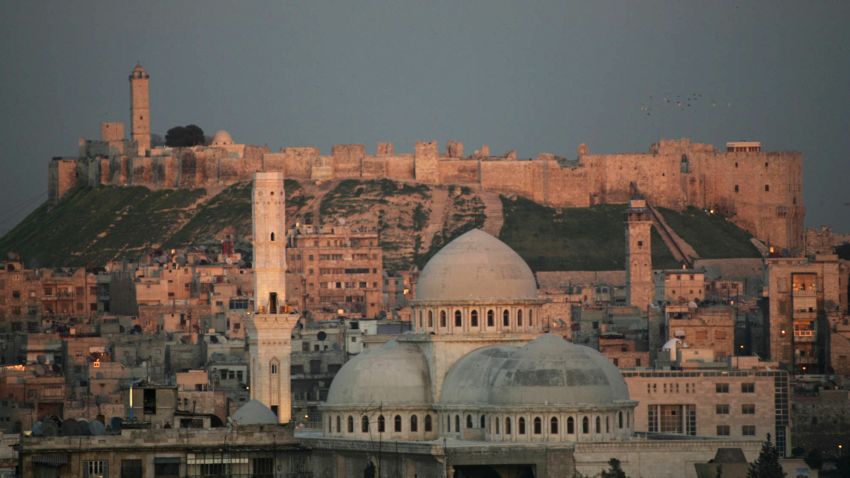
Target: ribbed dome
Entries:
(222, 138)
(476, 266)
(393, 375)
(547, 371)
(254, 412)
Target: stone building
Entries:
(682, 286)
(710, 328)
(805, 299)
(640, 289)
(342, 270)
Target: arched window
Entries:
(364, 424)
(519, 318)
(507, 425)
(585, 425)
(598, 425)
(607, 427)
(443, 318)
(272, 237)
(420, 319)
(330, 425)
(414, 423)
(553, 426)
(490, 315)
(506, 318)
(397, 423)
(571, 428)
(457, 423)
(338, 424)
(538, 425)
(430, 318)
(273, 367)
(498, 421)
(458, 319)
(482, 422)
(428, 423)
(469, 421)
(530, 318)
(521, 425)
(381, 424)
(473, 317)
(350, 424)
(620, 419)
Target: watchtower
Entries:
(639, 286)
(140, 109)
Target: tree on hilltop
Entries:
(184, 136)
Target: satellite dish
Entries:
(96, 428)
(37, 429)
(321, 335)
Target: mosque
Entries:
(478, 388)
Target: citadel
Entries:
(760, 191)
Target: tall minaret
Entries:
(140, 109)
(639, 286)
(270, 326)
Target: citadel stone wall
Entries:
(759, 191)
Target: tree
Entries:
(767, 464)
(616, 471)
(184, 136)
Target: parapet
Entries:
(112, 131)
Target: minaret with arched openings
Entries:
(270, 325)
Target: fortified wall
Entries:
(759, 191)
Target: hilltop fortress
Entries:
(760, 191)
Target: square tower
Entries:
(270, 325)
(639, 285)
(140, 109)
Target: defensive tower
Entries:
(140, 109)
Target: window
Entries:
(530, 318)
(570, 426)
(458, 319)
(131, 468)
(767, 188)
(521, 425)
(428, 425)
(473, 317)
(338, 424)
(748, 409)
(469, 421)
(723, 430)
(598, 425)
(273, 367)
(721, 409)
(620, 419)
(748, 430)
(737, 189)
(748, 388)
(490, 318)
(585, 425)
(553, 426)
(414, 423)
(430, 318)
(350, 424)
(272, 236)
(166, 467)
(507, 425)
(482, 422)
(364, 424)
(95, 468)
(397, 423)
(498, 421)
(149, 401)
(721, 388)
(457, 423)
(506, 318)
(538, 426)
(519, 318)
(381, 424)
(443, 318)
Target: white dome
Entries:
(222, 138)
(548, 371)
(393, 375)
(476, 266)
(254, 412)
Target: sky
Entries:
(534, 76)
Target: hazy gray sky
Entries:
(535, 76)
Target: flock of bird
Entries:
(678, 102)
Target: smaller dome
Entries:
(393, 375)
(254, 413)
(222, 138)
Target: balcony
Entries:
(804, 335)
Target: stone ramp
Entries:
(681, 250)
(437, 217)
(493, 212)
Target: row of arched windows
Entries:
(474, 318)
(397, 424)
(538, 423)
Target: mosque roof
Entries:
(222, 138)
(254, 412)
(548, 371)
(476, 266)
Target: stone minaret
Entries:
(140, 109)
(639, 286)
(270, 326)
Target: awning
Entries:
(50, 459)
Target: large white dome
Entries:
(476, 266)
(548, 371)
(394, 375)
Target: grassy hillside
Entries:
(572, 238)
(91, 226)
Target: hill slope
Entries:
(93, 225)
